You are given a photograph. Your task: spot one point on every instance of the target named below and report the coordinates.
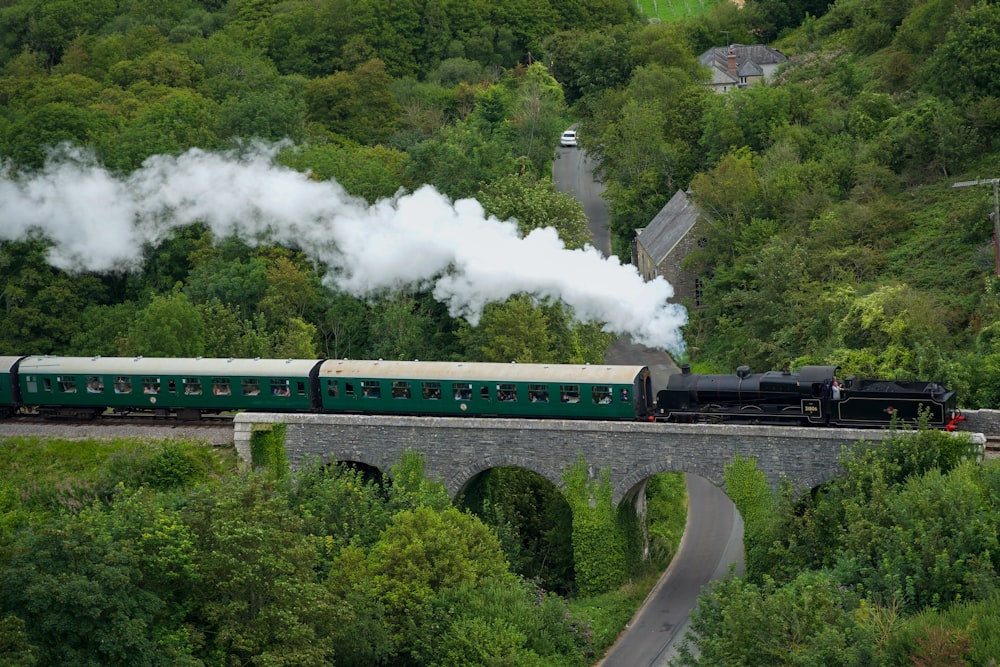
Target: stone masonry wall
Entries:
(457, 449)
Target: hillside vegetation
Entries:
(835, 237)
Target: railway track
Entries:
(216, 430)
(113, 418)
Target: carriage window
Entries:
(624, 395)
(251, 387)
(538, 393)
(220, 387)
(151, 385)
(332, 388)
(300, 387)
(400, 389)
(462, 390)
(506, 392)
(569, 393)
(601, 395)
(95, 384)
(123, 385)
(67, 384)
(349, 388)
(47, 383)
(279, 387)
(32, 383)
(192, 386)
(172, 386)
(431, 391)
(371, 389)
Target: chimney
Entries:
(731, 61)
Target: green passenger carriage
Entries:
(488, 389)
(8, 400)
(86, 386)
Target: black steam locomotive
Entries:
(811, 396)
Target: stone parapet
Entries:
(455, 450)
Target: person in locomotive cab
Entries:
(837, 388)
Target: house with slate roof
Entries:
(659, 248)
(740, 65)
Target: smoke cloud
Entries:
(98, 222)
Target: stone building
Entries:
(740, 65)
(660, 247)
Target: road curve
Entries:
(713, 535)
(713, 540)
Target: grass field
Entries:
(671, 10)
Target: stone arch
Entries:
(461, 475)
(626, 485)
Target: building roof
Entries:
(668, 226)
(750, 59)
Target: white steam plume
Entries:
(98, 222)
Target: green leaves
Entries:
(833, 576)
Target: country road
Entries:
(713, 536)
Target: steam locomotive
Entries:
(811, 396)
(85, 387)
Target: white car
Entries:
(568, 138)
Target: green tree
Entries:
(534, 203)
(53, 24)
(457, 161)
(423, 552)
(294, 339)
(805, 622)
(357, 104)
(513, 331)
(536, 117)
(503, 622)
(730, 194)
(370, 172)
(588, 62)
(178, 120)
(892, 332)
(291, 288)
(103, 329)
(342, 326)
(105, 585)
(341, 504)
(170, 326)
(640, 164)
(937, 542)
(260, 602)
(407, 326)
(959, 68)
(32, 134)
(229, 274)
(161, 67)
(40, 306)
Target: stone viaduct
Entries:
(455, 450)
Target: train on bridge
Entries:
(86, 387)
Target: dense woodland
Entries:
(835, 237)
